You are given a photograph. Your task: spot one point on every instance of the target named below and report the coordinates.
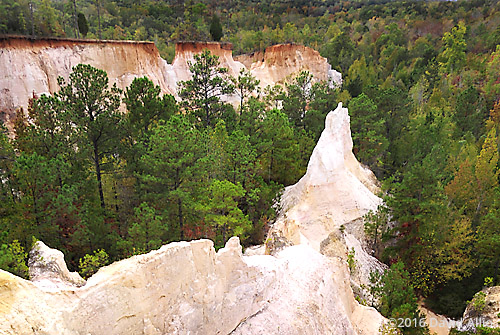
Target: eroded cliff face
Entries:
(281, 62)
(336, 191)
(30, 67)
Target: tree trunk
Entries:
(241, 101)
(32, 20)
(35, 206)
(98, 3)
(181, 219)
(271, 165)
(224, 235)
(98, 174)
(495, 272)
(179, 204)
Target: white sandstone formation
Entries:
(30, 67)
(335, 191)
(280, 62)
(484, 314)
(187, 288)
(48, 270)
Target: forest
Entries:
(422, 84)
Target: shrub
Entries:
(351, 260)
(13, 259)
(479, 301)
(89, 264)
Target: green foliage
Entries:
(278, 147)
(92, 110)
(452, 58)
(478, 331)
(146, 107)
(147, 231)
(170, 171)
(492, 70)
(246, 84)
(220, 209)
(351, 260)
(433, 241)
(368, 131)
(145, 110)
(13, 259)
(299, 94)
(479, 302)
(488, 281)
(489, 240)
(397, 298)
(469, 112)
(376, 226)
(90, 263)
(83, 26)
(216, 28)
(202, 93)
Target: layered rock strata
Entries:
(30, 67)
(280, 62)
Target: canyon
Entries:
(302, 285)
(298, 282)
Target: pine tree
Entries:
(216, 28)
(83, 26)
(92, 109)
(220, 208)
(147, 231)
(245, 85)
(368, 132)
(202, 93)
(170, 170)
(146, 107)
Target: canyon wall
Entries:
(30, 67)
(280, 62)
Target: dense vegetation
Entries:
(422, 83)
(93, 182)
